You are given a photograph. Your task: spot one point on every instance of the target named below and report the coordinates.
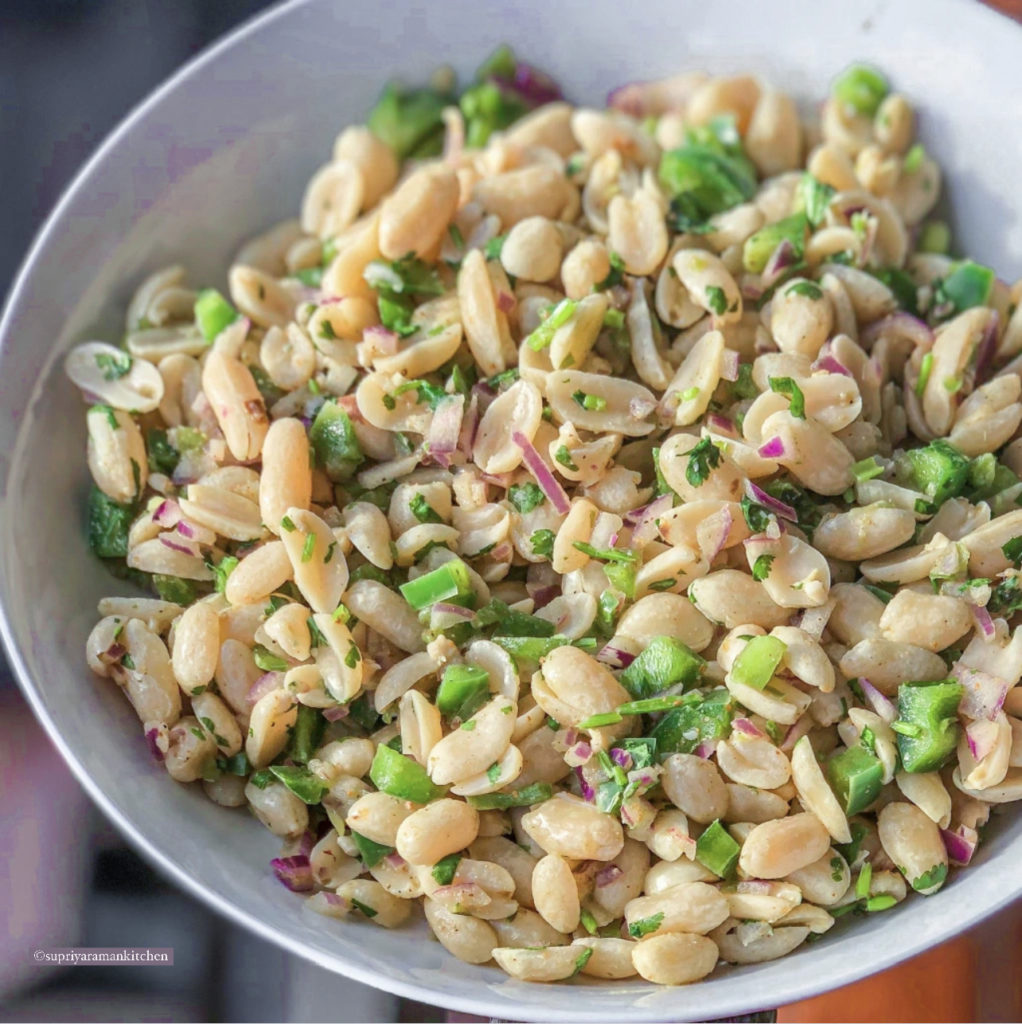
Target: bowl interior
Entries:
(224, 150)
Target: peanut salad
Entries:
(595, 531)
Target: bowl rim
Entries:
(486, 1003)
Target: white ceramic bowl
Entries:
(224, 149)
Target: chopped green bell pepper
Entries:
(758, 660)
(701, 721)
(462, 691)
(402, 777)
(856, 776)
(927, 724)
(759, 247)
(450, 581)
(213, 313)
(717, 851)
(666, 662)
(938, 469)
(334, 442)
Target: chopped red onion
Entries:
(544, 595)
(831, 365)
(570, 736)
(544, 477)
(152, 737)
(796, 732)
(752, 288)
(719, 530)
(611, 873)
(705, 750)
(503, 552)
(628, 98)
(642, 99)
(457, 611)
(882, 705)
(615, 656)
(350, 405)
(334, 900)
(445, 427)
(497, 479)
(780, 259)
(587, 791)
(983, 621)
(908, 326)
(984, 693)
(960, 845)
(484, 391)
(505, 301)
(532, 85)
(646, 528)
(335, 714)
(621, 757)
(635, 516)
(294, 872)
(167, 543)
(722, 424)
(384, 339)
(266, 683)
(113, 653)
(443, 615)
(769, 502)
(729, 367)
(305, 844)
(754, 886)
(167, 514)
(579, 754)
(772, 449)
(395, 860)
(186, 530)
(640, 408)
(986, 348)
(981, 737)
(743, 725)
(469, 425)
